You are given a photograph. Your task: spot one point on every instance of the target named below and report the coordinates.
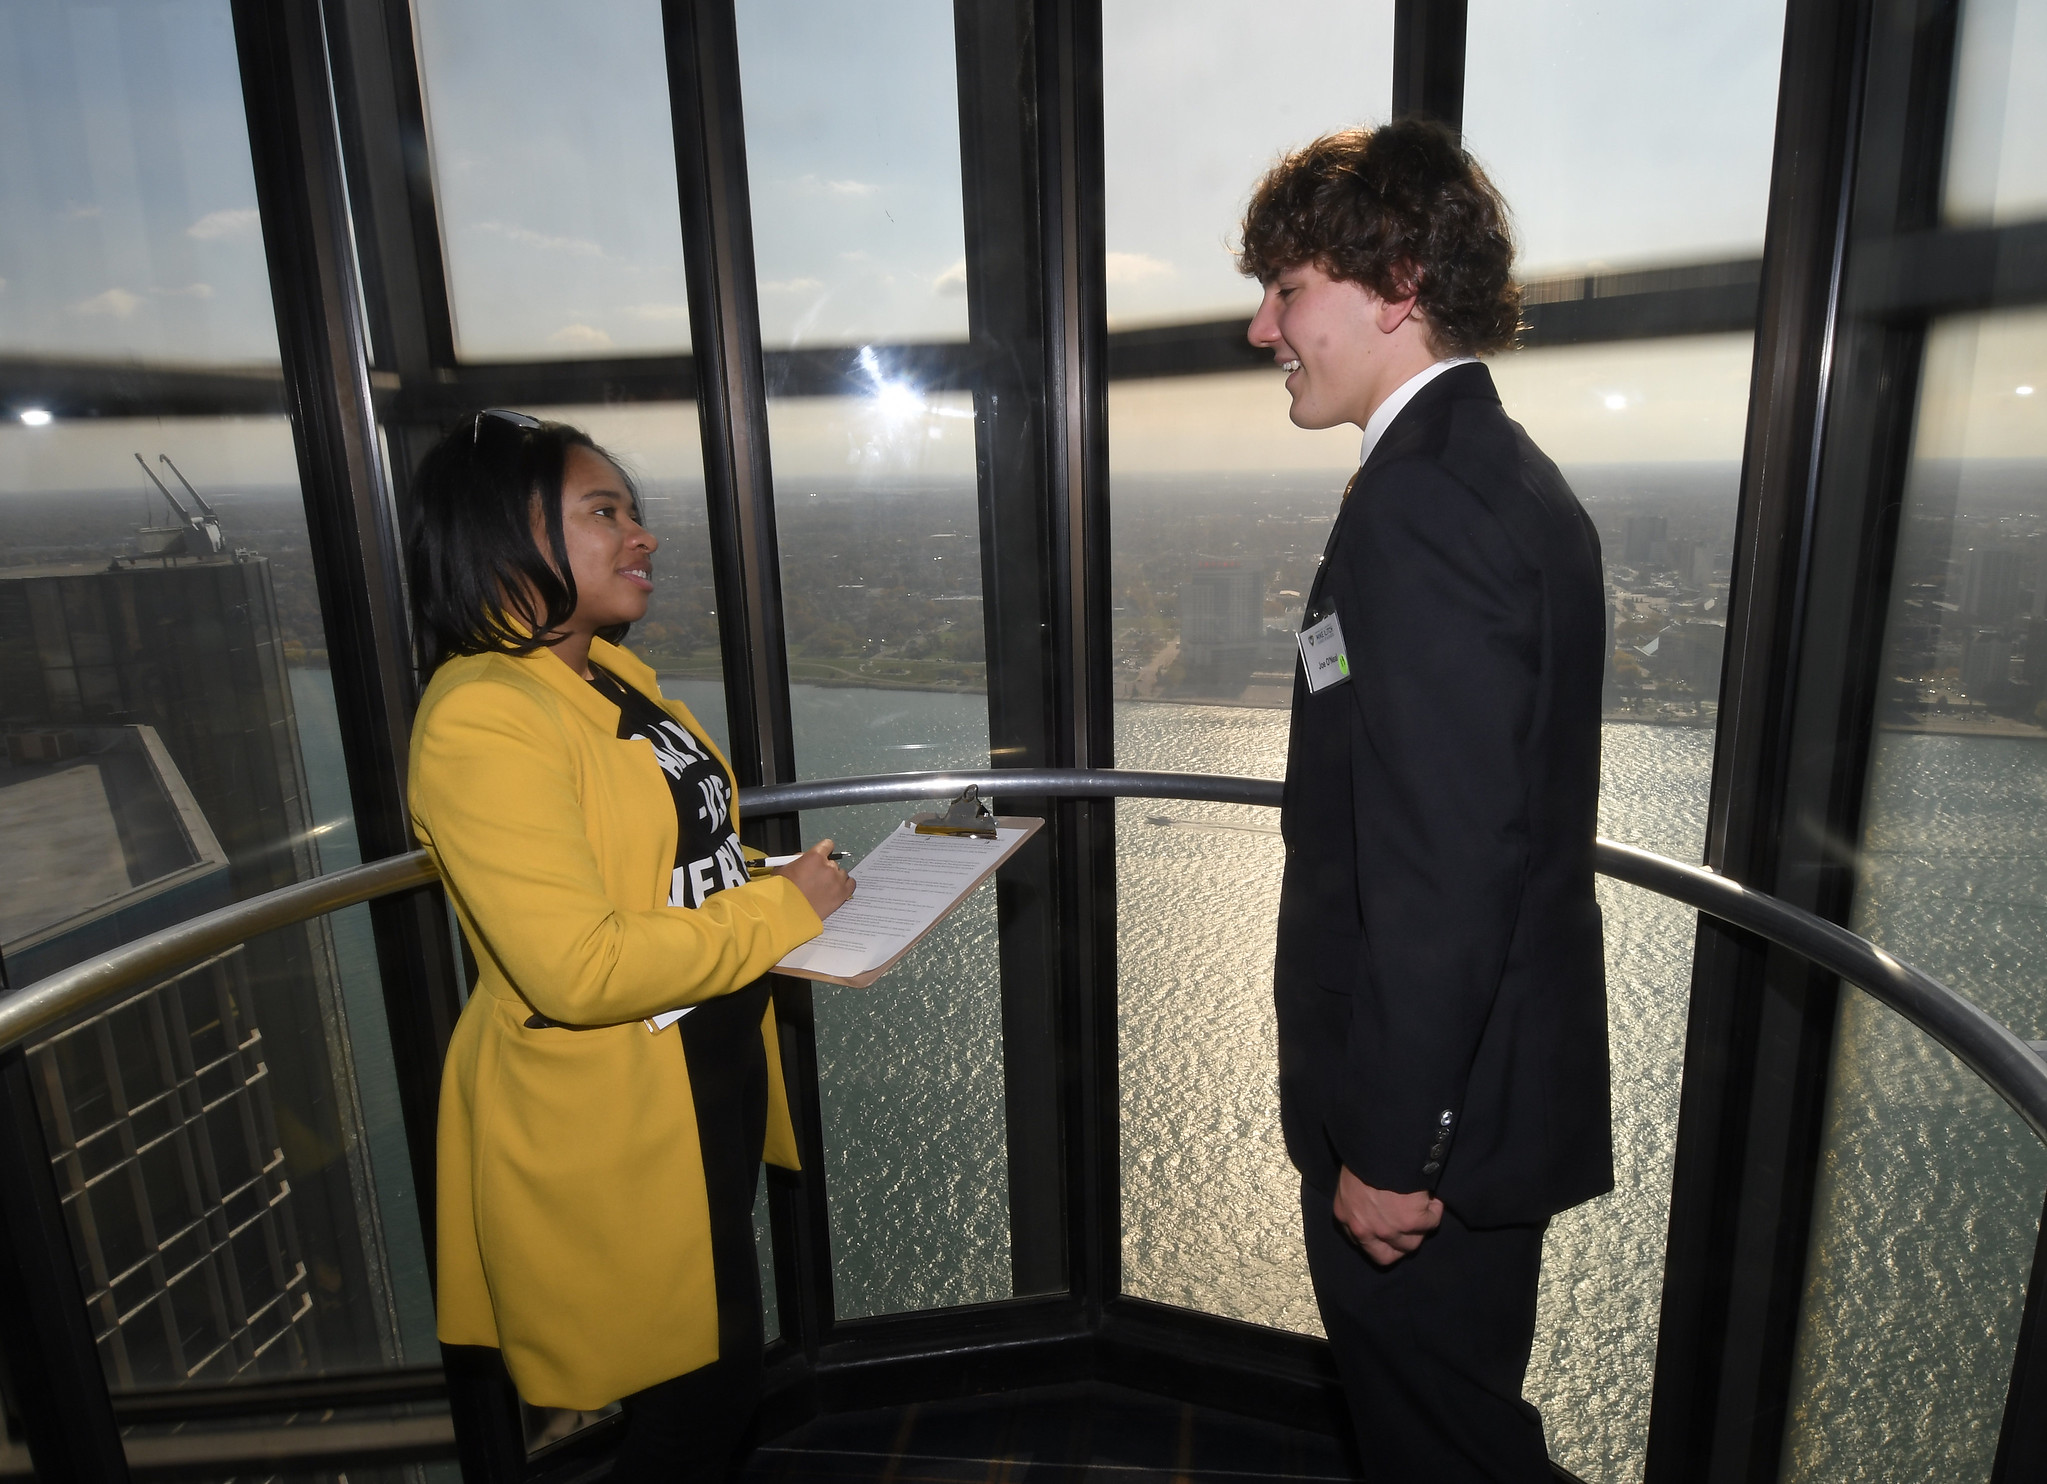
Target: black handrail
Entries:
(2008, 1065)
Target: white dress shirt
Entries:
(1377, 424)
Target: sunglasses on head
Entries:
(516, 419)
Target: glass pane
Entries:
(1908, 1332)
(554, 174)
(1626, 134)
(1198, 98)
(853, 164)
(881, 581)
(910, 1230)
(1197, 897)
(1997, 137)
(128, 224)
(172, 746)
(1207, 470)
(852, 126)
(660, 445)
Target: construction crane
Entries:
(196, 534)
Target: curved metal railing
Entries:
(89, 986)
(1989, 1048)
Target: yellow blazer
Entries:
(574, 1231)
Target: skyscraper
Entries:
(158, 1114)
(1222, 618)
(189, 646)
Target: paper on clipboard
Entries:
(908, 883)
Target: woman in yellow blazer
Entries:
(597, 1174)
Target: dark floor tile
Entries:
(1075, 1434)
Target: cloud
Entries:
(579, 337)
(1126, 268)
(115, 303)
(575, 247)
(811, 185)
(661, 314)
(189, 291)
(791, 285)
(952, 282)
(222, 226)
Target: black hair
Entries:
(480, 583)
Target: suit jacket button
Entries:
(1431, 1167)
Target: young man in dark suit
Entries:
(1440, 977)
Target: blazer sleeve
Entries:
(495, 800)
(1440, 618)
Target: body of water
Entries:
(1929, 1196)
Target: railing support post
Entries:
(2022, 1441)
(52, 1362)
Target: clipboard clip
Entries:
(965, 815)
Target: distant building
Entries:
(158, 1114)
(1647, 540)
(1991, 579)
(1610, 687)
(1986, 664)
(1222, 619)
(1690, 653)
(189, 646)
(1691, 561)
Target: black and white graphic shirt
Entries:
(707, 854)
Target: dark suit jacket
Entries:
(1441, 979)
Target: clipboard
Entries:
(912, 882)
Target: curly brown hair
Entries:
(1400, 209)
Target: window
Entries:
(852, 128)
(554, 176)
(128, 222)
(1997, 136)
(1222, 507)
(1904, 1319)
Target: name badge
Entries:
(1322, 655)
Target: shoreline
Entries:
(2004, 731)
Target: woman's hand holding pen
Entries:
(824, 885)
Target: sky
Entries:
(1621, 134)
(554, 178)
(1997, 145)
(128, 223)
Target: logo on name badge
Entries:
(1323, 660)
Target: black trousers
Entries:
(1433, 1350)
(699, 1426)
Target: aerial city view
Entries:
(882, 585)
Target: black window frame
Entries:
(1856, 263)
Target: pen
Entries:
(762, 867)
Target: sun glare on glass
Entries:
(898, 401)
(35, 417)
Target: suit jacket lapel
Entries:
(1409, 427)
(1408, 431)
